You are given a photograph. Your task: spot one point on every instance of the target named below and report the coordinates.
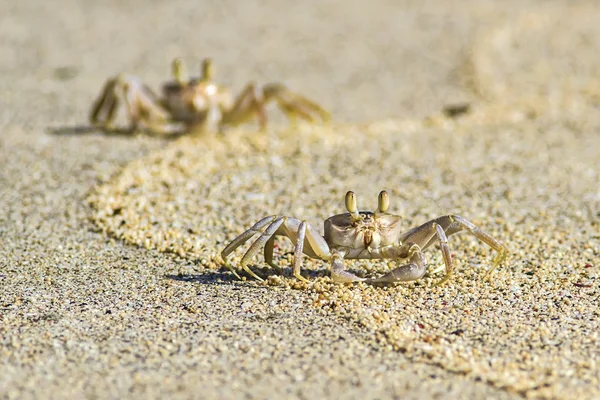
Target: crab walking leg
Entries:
(305, 238)
(298, 251)
(248, 103)
(487, 239)
(247, 235)
(258, 243)
(455, 223)
(105, 106)
(293, 104)
(338, 272)
(145, 110)
(441, 234)
(437, 231)
(268, 253)
(252, 101)
(317, 247)
(243, 238)
(128, 89)
(306, 241)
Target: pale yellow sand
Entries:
(110, 285)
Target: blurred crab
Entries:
(361, 235)
(195, 104)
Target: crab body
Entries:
(361, 235)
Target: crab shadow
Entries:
(225, 277)
(80, 130)
(207, 278)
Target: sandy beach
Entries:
(110, 280)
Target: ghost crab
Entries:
(195, 104)
(361, 235)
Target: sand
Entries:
(111, 284)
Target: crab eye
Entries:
(351, 204)
(179, 71)
(383, 201)
(207, 70)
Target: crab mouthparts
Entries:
(368, 238)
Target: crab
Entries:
(361, 235)
(195, 104)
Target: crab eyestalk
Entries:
(179, 71)
(383, 202)
(351, 205)
(207, 70)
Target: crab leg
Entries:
(429, 233)
(253, 100)
(143, 108)
(441, 234)
(338, 272)
(298, 251)
(268, 253)
(455, 223)
(105, 106)
(293, 104)
(120, 87)
(258, 243)
(243, 238)
(247, 235)
(299, 232)
(459, 223)
(305, 238)
(250, 102)
(317, 246)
